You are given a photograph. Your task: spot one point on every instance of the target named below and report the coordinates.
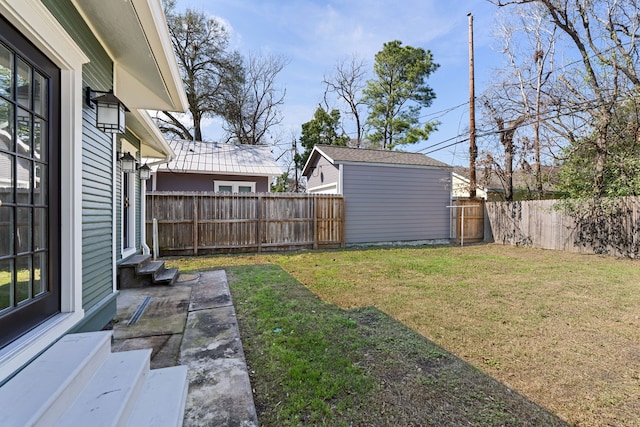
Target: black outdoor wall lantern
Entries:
(145, 172)
(128, 163)
(109, 110)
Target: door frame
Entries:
(34, 21)
(128, 216)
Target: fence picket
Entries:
(612, 229)
(193, 223)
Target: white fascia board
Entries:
(311, 156)
(151, 15)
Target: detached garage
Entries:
(390, 196)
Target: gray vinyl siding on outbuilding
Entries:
(391, 203)
(323, 174)
(97, 165)
(390, 196)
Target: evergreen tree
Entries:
(398, 93)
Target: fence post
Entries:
(343, 216)
(314, 200)
(155, 239)
(259, 223)
(195, 225)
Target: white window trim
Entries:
(235, 185)
(37, 24)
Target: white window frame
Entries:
(34, 21)
(235, 185)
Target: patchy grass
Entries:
(313, 363)
(561, 328)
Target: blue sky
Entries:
(314, 35)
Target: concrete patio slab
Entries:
(194, 324)
(165, 314)
(165, 349)
(217, 370)
(215, 295)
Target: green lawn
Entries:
(563, 329)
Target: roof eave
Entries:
(135, 34)
(315, 152)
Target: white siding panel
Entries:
(389, 204)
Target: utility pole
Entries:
(295, 166)
(473, 149)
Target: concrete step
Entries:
(109, 399)
(135, 261)
(167, 277)
(139, 271)
(40, 393)
(163, 399)
(79, 382)
(150, 268)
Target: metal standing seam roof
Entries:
(218, 158)
(345, 154)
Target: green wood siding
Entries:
(118, 204)
(97, 164)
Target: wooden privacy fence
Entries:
(467, 220)
(607, 226)
(197, 223)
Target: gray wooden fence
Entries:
(204, 223)
(607, 226)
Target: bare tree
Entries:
(499, 104)
(208, 69)
(252, 108)
(289, 181)
(528, 44)
(513, 106)
(347, 82)
(604, 34)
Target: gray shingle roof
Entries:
(208, 157)
(346, 154)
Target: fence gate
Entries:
(469, 215)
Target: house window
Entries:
(234, 187)
(29, 185)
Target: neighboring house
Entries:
(68, 213)
(491, 187)
(208, 166)
(485, 189)
(390, 196)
